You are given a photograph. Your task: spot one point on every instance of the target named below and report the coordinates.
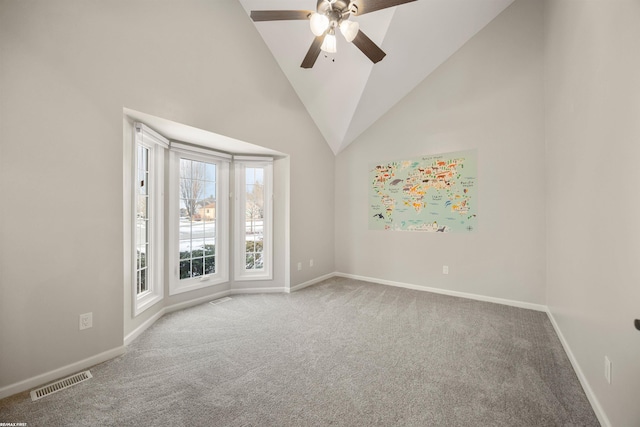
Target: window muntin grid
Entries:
(198, 214)
(142, 243)
(254, 218)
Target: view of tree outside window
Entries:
(197, 218)
(254, 218)
(142, 220)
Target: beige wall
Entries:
(593, 147)
(67, 70)
(548, 93)
(488, 96)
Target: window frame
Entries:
(182, 151)
(240, 271)
(156, 144)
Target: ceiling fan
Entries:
(330, 15)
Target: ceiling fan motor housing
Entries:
(335, 10)
(329, 15)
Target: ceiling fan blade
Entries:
(368, 6)
(279, 15)
(368, 47)
(313, 53)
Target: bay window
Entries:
(199, 219)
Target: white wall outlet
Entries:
(445, 269)
(607, 369)
(311, 262)
(299, 266)
(86, 321)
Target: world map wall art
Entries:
(436, 193)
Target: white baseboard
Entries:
(593, 400)
(109, 354)
(56, 374)
(131, 337)
(312, 282)
(513, 303)
(595, 404)
(140, 329)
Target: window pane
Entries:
(254, 216)
(185, 168)
(142, 179)
(185, 236)
(249, 176)
(210, 172)
(185, 269)
(185, 249)
(197, 217)
(143, 158)
(259, 175)
(209, 250)
(210, 265)
(141, 234)
(143, 285)
(142, 257)
(141, 208)
(210, 191)
(197, 266)
(138, 259)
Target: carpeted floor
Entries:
(342, 352)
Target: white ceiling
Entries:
(344, 92)
(183, 133)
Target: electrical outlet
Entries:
(445, 269)
(86, 321)
(607, 369)
(299, 266)
(311, 262)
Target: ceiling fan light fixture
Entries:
(349, 30)
(318, 23)
(328, 16)
(329, 44)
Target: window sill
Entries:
(195, 283)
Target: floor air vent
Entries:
(220, 300)
(60, 385)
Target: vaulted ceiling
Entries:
(345, 92)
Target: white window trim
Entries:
(156, 144)
(177, 151)
(240, 272)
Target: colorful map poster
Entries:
(435, 193)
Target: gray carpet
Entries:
(342, 352)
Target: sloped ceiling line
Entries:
(345, 93)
